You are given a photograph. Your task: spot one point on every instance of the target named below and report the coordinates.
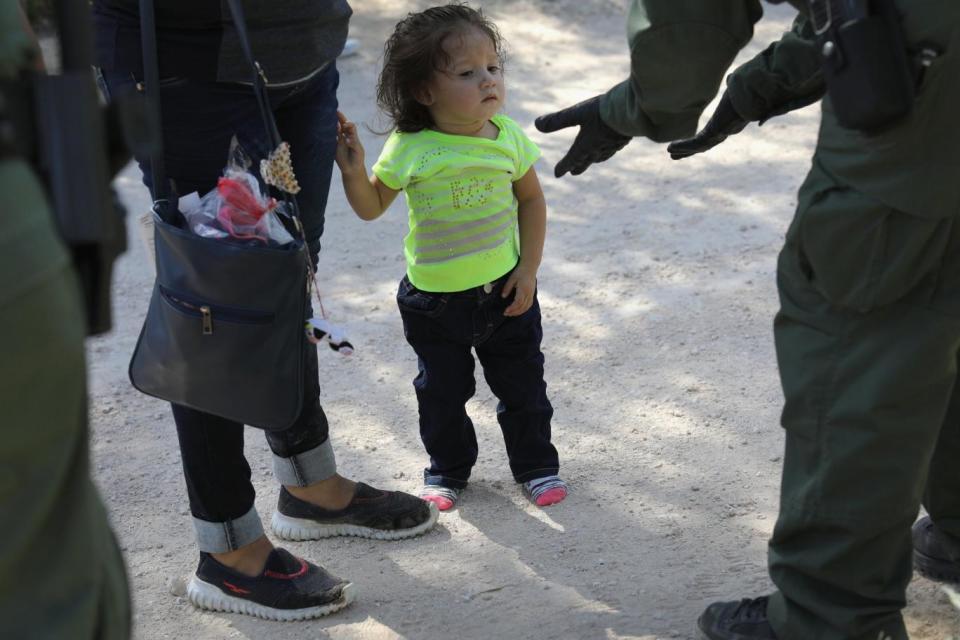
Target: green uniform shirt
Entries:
(681, 50)
(463, 212)
(787, 75)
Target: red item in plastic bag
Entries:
(241, 209)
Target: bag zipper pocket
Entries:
(206, 312)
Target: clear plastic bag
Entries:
(238, 209)
(196, 211)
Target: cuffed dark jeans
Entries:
(199, 120)
(443, 328)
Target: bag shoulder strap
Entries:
(259, 79)
(151, 79)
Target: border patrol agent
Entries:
(868, 332)
(61, 572)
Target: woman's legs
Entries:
(199, 122)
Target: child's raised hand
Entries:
(350, 153)
(525, 284)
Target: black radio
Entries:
(56, 123)
(866, 67)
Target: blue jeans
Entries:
(199, 119)
(443, 328)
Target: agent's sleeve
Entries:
(679, 52)
(395, 162)
(787, 75)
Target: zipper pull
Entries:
(207, 319)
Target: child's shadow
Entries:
(506, 502)
(560, 545)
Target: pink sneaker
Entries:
(444, 497)
(546, 491)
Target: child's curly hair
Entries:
(415, 51)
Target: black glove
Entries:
(724, 122)
(595, 142)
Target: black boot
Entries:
(936, 555)
(744, 620)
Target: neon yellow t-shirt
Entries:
(463, 213)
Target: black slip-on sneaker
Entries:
(289, 588)
(935, 554)
(372, 513)
(743, 620)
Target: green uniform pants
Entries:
(867, 341)
(61, 573)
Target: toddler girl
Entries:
(477, 223)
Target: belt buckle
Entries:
(487, 288)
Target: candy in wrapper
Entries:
(277, 169)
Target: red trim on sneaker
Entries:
(235, 588)
(288, 576)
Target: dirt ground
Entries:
(657, 290)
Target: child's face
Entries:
(470, 90)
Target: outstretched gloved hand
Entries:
(724, 122)
(595, 142)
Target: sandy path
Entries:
(657, 291)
